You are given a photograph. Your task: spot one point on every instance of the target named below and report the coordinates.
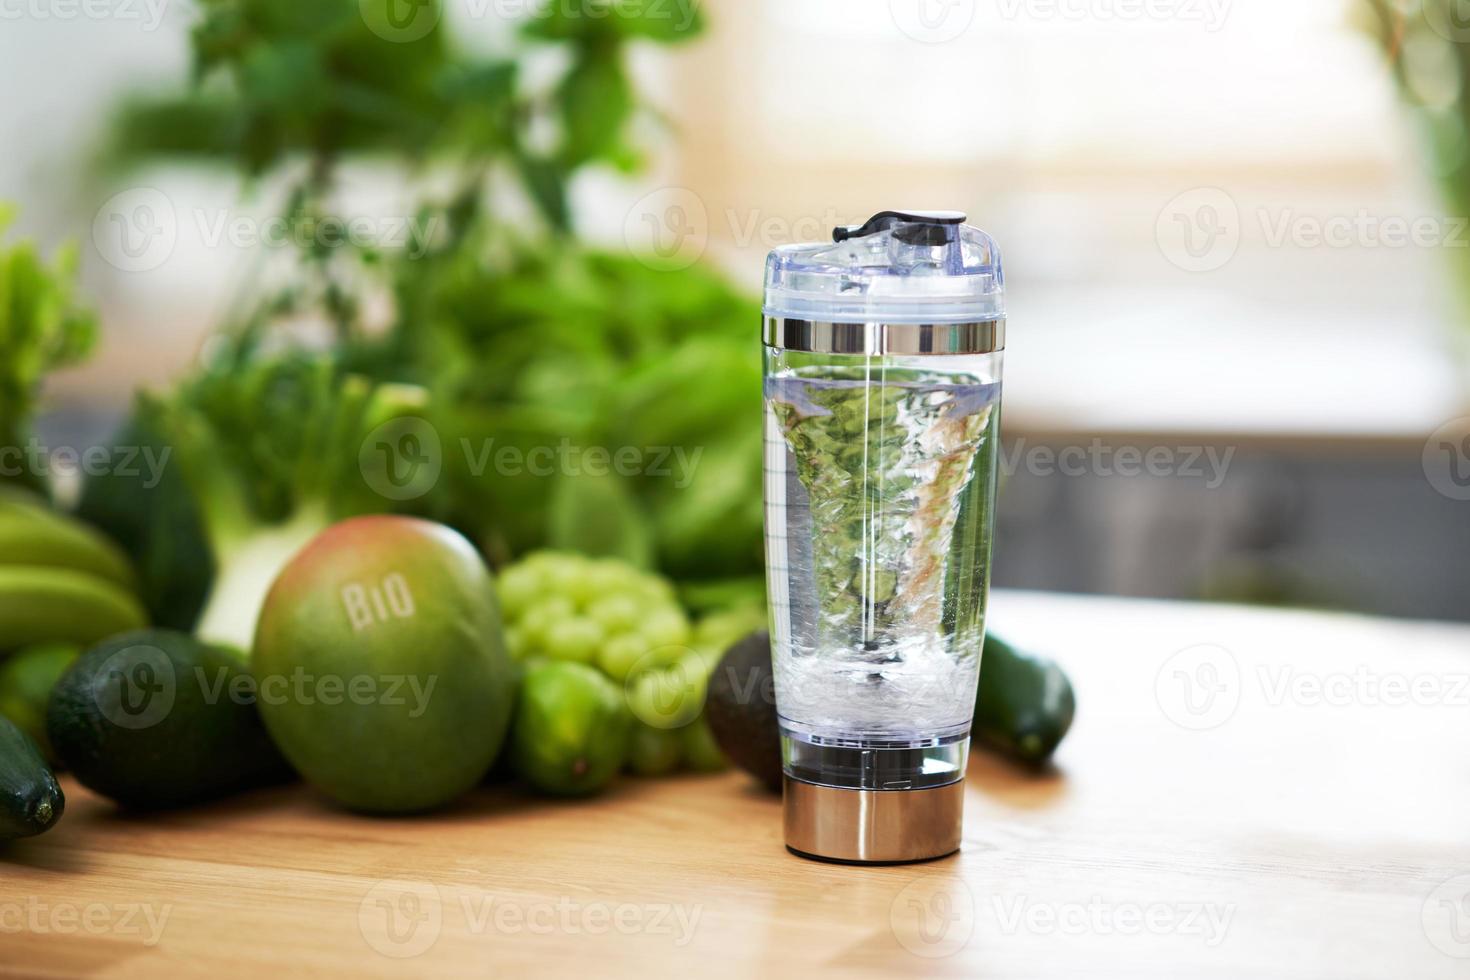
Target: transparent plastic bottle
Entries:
(882, 413)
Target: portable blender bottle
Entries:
(883, 357)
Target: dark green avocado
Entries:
(155, 719)
(741, 709)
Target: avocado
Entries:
(30, 800)
(154, 719)
(741, 709)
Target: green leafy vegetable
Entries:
(528, 341)
(43, 327)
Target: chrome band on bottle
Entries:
(818, 337)
(872, 827)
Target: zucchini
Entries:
(1024, 704)
(30, 798)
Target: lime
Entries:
(653, 751)
(701, 751)
(571, 728)
(26, 680)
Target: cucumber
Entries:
(30, 800)
(1024, 704)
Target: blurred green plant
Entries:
(1428, 46)
(43, 327)
(514, 334)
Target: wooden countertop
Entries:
(1306, 814)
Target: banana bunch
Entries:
(61, 581)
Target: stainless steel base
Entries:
(872, 826)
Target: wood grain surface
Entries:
(1245, 794)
